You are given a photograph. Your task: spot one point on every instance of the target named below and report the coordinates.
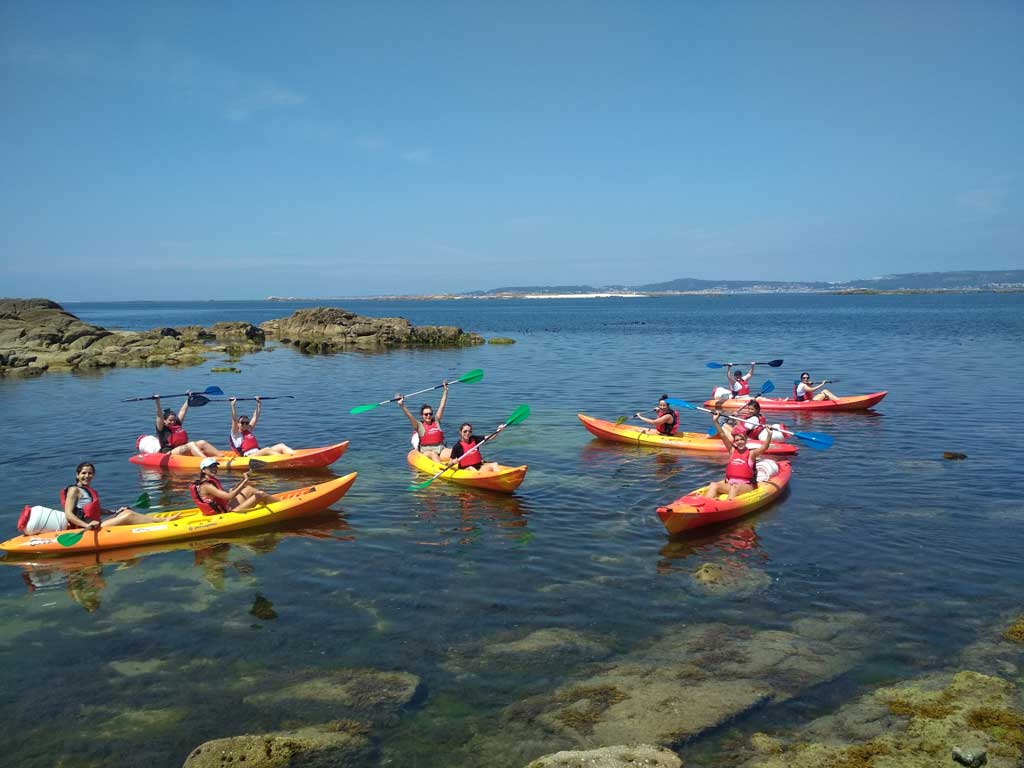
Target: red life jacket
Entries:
(669, 429)
(90, 511)
(468, 459)
(247, 443)
(212, 506)
(432, 435)
(172, 437)
(800, 398)
(740, 387)
(752, 432)
(741, 467)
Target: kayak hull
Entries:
(504, 480)
(685, 441)
(852, 403)
(303, 458)
(694, 510)
(191, 524)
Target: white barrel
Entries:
(766, 470)
(721, 392)
(148, 444)
(44, 520)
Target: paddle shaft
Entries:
(207, 391)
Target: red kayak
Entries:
(852, 403)
(303, 458)
(695, 510)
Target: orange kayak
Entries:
(687, 441)
(504, 480)
(852, 403)
(303, 458)
(695, 510)
(191, 524)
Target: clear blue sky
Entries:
(240, 149)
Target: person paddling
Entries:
(82, 508)
(741, 471)
(462, 452)
(739, 384)
(243, 441)
(805, 389)
(211, 498)
(665, 421)
(429, 435)
(172, 435)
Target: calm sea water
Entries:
(928, 549)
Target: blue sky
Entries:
(238, 150)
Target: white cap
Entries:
(208, 462)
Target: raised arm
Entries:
(765, 442)
(159, 413)
(412, 419)
(728, 374)
(724, 433)
(444, 400)
(184, 408)
(234, 414)
(256, 413)
(750, 372)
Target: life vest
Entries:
(740, 387)
(212, 506)
(669, 429)
(741, 467)
(172, 437)
(800, 398)
(752, 431)
(432, 435)
(90, 511)
(468, 459)
(246, 444)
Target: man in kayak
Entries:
(665, 421)
(741, 471)
(172, 435)
(210, 496)
(805, 390)
(467, 455)
(82, 505)
(428, 437)
(243, 441)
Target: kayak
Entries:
(303, 458)
(695, 510)
(191, 524)
(687, 441)
(504, 480)
(852, 403)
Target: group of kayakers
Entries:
(170, 431)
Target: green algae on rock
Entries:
(501, 340)
(340, 743)
(1015, 632)
(636, 756)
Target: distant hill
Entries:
(693, 284)
(1008, 278)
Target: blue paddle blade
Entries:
(767, 387)
(713, 431)
(681, 403)
(816, 440)
(213, 391)
(715, 365)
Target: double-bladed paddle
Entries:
(770, 364)
(198, 401)
(518, 415)
(71, 538)
(467, 378)
(817, 440)
(207, 391)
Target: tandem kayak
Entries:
(303, 458)
(694, 510)
(504, 480)
(687, 441)
(191, 524)
(852, 403)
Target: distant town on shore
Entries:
(1011, 280)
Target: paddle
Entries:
(770, 364)
(623, 419)
(198, 401)
(518, 415)
(207, 391)
(467, 378)
(71, 538)
(816, 440)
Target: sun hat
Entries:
(207, 463)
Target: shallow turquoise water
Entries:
(397, 580)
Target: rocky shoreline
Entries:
(39, 336)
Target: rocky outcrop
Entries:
(338, 744)
(330, 329)
(640, 756)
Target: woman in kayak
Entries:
(429, 435)
(210, 496)
(741, 471)
(739, 384)
(243, 441)
(467, 456)
(806, 390)
(665, 421)
(172, 435)
(82, 505)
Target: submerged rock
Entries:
(730, 579)
(330, 329)
(639, 756)
(338, 744)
